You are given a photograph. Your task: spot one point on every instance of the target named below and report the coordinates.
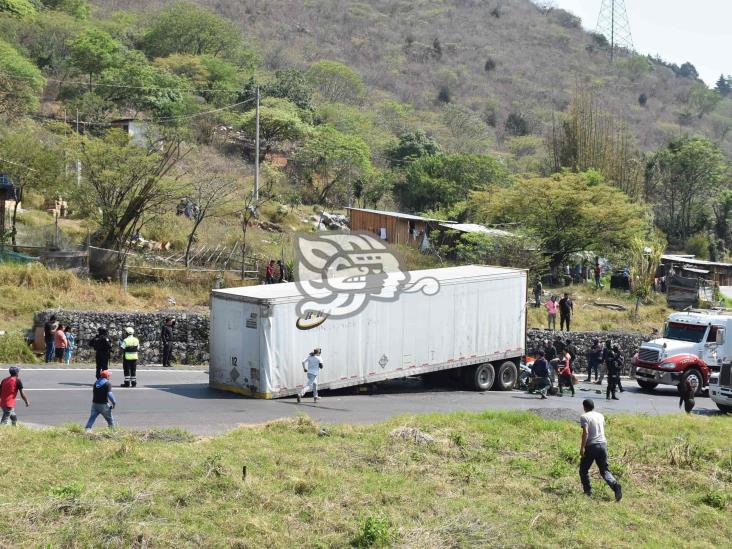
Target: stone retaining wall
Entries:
(190, 335)
(629, 342)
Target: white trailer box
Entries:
(476, 322)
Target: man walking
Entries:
(269, 272)
(103, 401)
(48, 337)
(594, 449)
(312, 366)
(594, 358)
(540, 369)
(167, 338)
(9, 389)
(606, 352)
(613, 373)
(130, 348)
(551, 309)
(598, 274)
(102, 346)
(566, 308)
(538, 289)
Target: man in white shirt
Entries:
(594, 449)
(311, 366)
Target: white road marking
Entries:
(132, 389)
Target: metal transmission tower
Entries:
(614, 25)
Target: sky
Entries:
(699, 31)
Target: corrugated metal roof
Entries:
(475, 228)
(397, 214)
(685, 259)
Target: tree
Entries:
(507, 251)
(411, 146)
(644, 256)
(17, 8)
(139, 86)
(21, 83)
(187, 28)
(330, 163)
(687, 70)
(79, 9)
(215, 79)
(567, 213)
(34, 161)
(702, 99)
(336, 82)
(441, 181)
(279, 122)
(94, 51)
(722, 208)
(123, 184)
(679, 182)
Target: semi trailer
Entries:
(473, 327)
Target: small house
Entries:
(135, 127)
(393, 227)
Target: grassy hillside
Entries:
(490, 479)
(494, 58)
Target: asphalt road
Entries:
(182, 398)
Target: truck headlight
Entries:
(668, 365)
(714, 379)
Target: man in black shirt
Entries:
(540, 369)
(167, 337)
(102, 346)
(103, 401)
(48, 328)
(566, 308)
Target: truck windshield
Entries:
(684, 332)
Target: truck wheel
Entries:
(507, 376)
(724, 408)
(647, 385)
(700, 380)
(481, 377)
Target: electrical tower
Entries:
(614, 25)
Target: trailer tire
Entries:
(481, 376)
(647, 385)
(724, 408)
(506, 377)
(687, 374)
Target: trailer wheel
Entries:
(647, 385)
(724, 408)
(482, 376)
(507, 376)
(700, 380)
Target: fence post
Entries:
(124, 279)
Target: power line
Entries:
(16, 164)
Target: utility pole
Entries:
(614, 25)
(256, 154)
(78, 162)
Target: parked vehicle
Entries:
(720, 388)
(694, 343)
(474, 327)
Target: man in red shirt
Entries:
(9, 388)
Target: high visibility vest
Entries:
(131, 345)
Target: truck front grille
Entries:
(648, 355)
(725, 375)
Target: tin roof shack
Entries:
(690, 281)
(135, 127)
(393, 227)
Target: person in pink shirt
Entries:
(551, 309)
(60, 343)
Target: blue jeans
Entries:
(50, 349)
(105, 410)
(312, 382)
(8, 414)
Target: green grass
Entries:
(489, 479)
(589, 317)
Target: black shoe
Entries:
(125, 385)
(588, 380)
(598, 382)
(134, 383)
(615, 398)
(618, 492)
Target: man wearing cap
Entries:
(130, 348)
(9, 389)
(103, 401)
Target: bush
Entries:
(516, 124)
(490, 64)
(642, 99)
(698, 245)
(374, 532)
(15, 350)
(443, 96)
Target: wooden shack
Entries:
(393, 227)
(687, 266)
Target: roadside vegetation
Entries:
(456, 480)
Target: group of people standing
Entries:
(554, 305)
(276, 272)
(555, 361)
(60, 341)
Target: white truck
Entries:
(694, 343)
(473, 326)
